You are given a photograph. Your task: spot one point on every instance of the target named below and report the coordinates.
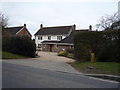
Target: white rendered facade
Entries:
(45, 38)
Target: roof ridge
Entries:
(58, 26)
(15, 27)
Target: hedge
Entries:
(104, 44)
(19, 45)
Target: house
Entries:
(54, 39)
(16, 31)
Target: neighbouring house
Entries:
(54, 39)
(16, 31)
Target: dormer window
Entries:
(39, 37)
(59, 37)
(49, 37)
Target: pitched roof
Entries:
(19, 31)
(11, 30)
(68, 39)
(59, 30)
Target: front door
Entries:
(51, 47)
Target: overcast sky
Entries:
(57, 12)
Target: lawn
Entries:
(7, 55)
(97, 67)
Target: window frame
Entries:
(49, 37)
(59, 37)
(40, 38)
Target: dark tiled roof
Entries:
(68, 39)
(60, 30)
(11, 30)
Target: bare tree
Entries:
(3, 20)
(107, 21)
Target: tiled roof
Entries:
(11, 30)
(68, 39)
(60, 30)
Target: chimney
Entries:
(90, 28)
(41, 26)
(74, 27)
(24, 25)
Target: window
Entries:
(39, 37)
(39, 45)
(71, 47)
(59, 37)
(49, 37)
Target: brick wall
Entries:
(54, 48)
(63, 47)
(24, 32)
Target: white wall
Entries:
(45, 38)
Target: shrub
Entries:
(61, 53)
(19, 45)
(104, 44)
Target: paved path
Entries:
(47, 60)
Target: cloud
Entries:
(59, 1)
(54, 13)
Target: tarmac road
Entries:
(24, 76)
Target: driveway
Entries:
(47, 60)
(52, 56)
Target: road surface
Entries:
(21, 76)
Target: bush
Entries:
(19, 45)
(103, 43)
(61, 53)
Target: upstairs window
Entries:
(59, 37)
(39, 37)
(49, 37)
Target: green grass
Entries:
(97, 67)
(7, 55)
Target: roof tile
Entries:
(60, 30)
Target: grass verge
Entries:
(7, 55)
(97, 67)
